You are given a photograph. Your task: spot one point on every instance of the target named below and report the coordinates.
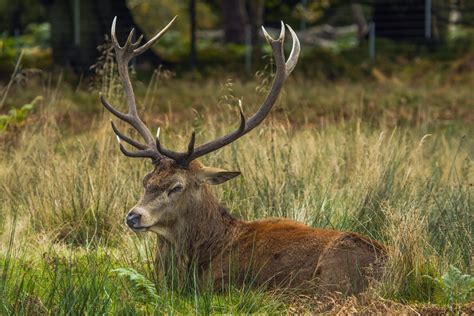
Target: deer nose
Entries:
(133, 219)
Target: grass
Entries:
(393, 162)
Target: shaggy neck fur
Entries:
(206, 230)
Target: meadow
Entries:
(390, 159)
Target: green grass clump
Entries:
(90, 281)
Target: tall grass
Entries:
(65, 190)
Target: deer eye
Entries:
(175, 189)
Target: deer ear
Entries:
(215, 175)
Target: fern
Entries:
(456, 287)
(16, 116)
(145, 289)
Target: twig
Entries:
(12, 78)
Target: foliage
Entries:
(17, 116)
(145, 290)
(165, 10)
(20, 13)
(40, 34)
(313, 11)
(34, 44)
(36, 35)
(457, 288)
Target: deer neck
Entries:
(207, 230)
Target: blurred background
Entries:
(338, 37)
(410, 46)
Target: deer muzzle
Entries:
(133, 220)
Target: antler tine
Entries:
(154, 39)
(113, 34)
(155, 156)
(130, 37)
(134, 121)
(127, 139)
(181, 158)
(123, 55)
(283, 69)
(295, 52)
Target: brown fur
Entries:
(275, 252)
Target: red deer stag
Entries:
(198, 233)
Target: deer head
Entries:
(178, 183)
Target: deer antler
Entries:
(152, 147)
(283, 69)
(123, 55)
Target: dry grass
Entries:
(368, 303)
(352, 157)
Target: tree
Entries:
(238, 15)
(234, 20)
(255, 20)
(16, 15)
(241, 19)
(79, 26)
(192, 22)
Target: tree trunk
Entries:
(255, 19)
(400, 20)
(192, 18)
(234, 16)
(78, 47)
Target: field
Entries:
(389, 159)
